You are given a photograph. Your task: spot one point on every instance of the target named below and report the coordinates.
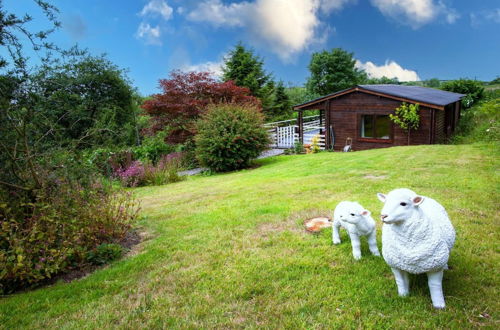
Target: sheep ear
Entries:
(381, 197)
(365, 213)
(417, 200)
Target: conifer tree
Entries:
(281, 103)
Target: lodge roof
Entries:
(429, 96)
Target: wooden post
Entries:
(301, 127)
(321, 112)
(328, 138)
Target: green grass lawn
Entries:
(230, 251)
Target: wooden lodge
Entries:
(361, 115)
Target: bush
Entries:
(143, 174)
(165, 172)
(153, 148)
(50, 230)
(104, 253)
(299, 148)
(229, 136)
(481, 123)
(473, 89)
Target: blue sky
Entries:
(408, 39)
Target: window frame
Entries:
(377, 140)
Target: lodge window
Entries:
(376, 127)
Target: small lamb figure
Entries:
(417, 237)
(358, 222)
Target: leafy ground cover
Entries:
(230, 250)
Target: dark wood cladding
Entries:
(345, 112)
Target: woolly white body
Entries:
(416, 238)
(421, 244)
(358, 222)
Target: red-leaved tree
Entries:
(185, 97)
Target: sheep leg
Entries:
(402, 281)
(372, 243)
(335, 232)
(356, 246)
(435, 280)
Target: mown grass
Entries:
(229, 250)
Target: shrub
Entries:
(165, 172)
(50, 231)
(229, 136)
(473, 89)
(142, 174)
(315, 144)
(153, 148)
(480, 123)
(104, 253)
(299, 148)
(131, 176)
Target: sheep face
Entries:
(399, 205)
(354, 214)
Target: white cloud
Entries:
(151, 35)
(485, 16)
(390, 69)
(157, 7)
(285, 27)
(331, 5)
(416, 13)
(214, 67)
(219, 14)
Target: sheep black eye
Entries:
(352, 214)
(402, 204)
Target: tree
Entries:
(406, 116)
(383, 80)
(185, 98)
(332, 72)
(14, 28)
(432, 83)
(247, 70)
(473, 89)
(281, 107)
(89, 100)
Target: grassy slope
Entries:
(229, 250)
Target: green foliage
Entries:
(282, 108)
(153, 148)
(406, 116)
(298, 148)
(52, 232)
(333, 71)
(495, 81)
(229, 136)
(167, 171)
(432, 83)
(383, 80)
(481, 123)
(473, 89)
(246, 69)
(97, 105)
(299, 95)
(104, 253)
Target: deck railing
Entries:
(284, 134)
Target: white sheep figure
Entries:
(358, 222)
(417, 237)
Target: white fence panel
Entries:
(286, 136)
